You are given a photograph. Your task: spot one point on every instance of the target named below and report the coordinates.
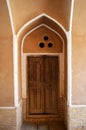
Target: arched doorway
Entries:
(43, 38)
(43, 66)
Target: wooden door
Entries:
(43, 84)
(35, 85)
(51, 80)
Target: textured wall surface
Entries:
(6, 58)
(8, 119)
(23, 11)
(6, 73)
(77, 118)
(79, 53)
(11, 118)
(5, 27)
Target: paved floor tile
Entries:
(43, 127)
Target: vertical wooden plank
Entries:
(35, 85)
(51, 85)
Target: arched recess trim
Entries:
(42, 19)
(50, 22)
(58, 40)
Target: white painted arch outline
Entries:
(37, 28)
(15, 49)
(62, 29)
(36, 18)
(68, 34)
(24, 55)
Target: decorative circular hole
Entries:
(50, 44)
(46, 38)
(41, 44)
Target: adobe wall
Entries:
(6, 58)
(77, 112)
(57, 9)
(76, 118)
(76, 115)
(6, 73)
(10, 116)
(79, 53)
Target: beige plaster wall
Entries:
(6, 73)
(6, 58)
(5, 28)
(25, 10)
(79, 53)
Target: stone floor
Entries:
(58, 126)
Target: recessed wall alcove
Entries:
(43, 71)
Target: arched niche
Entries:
(24, 38)
(42, 39)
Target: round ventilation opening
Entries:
(46, 38)
(41, 45)
(50, 45)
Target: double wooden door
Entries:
(42, 84)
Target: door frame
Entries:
(27, 89)
(57, 28)
(40, 118)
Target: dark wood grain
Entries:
(42, 87)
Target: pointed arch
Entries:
(58, 38)
(42, 19)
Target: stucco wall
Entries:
(6, 73)
(79, 53)
(6, 58)
(25, 10)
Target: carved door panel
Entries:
(43, 83)
(51, 84)
(35, 85)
